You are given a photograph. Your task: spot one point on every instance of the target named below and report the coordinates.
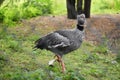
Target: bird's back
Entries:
(75, 37)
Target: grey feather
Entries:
(55, 40)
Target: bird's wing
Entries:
(55, 40)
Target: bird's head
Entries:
(81, 19)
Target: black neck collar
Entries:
(80, 27)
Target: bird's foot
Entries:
(64, 70)
(51, 62)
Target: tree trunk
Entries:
(71, 8)
(79, 6)
(71, 11)
(87, 5)
(1, 1)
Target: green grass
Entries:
(13, 11)
(105, 6)
(97, 7)
(59, 7)
(18, 61)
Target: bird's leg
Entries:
(59, 59)
(61, 63)
(63, 66)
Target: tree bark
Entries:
(1, 1)
(71, 11)
(87, 5)
(71, 8)
(79, 6)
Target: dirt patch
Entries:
(104, 29)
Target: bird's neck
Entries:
(80, 27)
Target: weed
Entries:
(15, 11)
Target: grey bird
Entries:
(62, 42)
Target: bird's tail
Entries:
(34, 48)
(38, 44)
